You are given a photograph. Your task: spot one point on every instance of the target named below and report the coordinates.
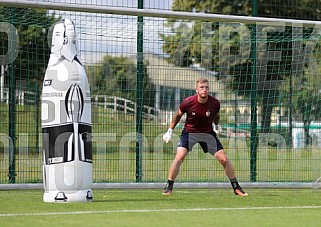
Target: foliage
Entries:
(306, 100)
(192, 47)
(201, 42)
(180, 56)
(296, 9)
(33, 53)
(117, 76)
(209, 6)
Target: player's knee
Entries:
(223, 161)
(179, 158)
(180, 155)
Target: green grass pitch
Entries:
(148, 207)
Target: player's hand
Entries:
(167, 136)
(218, 129)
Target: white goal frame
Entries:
(160, 14)
(152, 13)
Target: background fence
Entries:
(266, 75)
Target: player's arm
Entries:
(176, 118)
(216, 118)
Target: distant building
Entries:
(174, 83)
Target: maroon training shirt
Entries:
(199, 115)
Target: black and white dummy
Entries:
(66, 121)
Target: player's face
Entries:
(202, 90)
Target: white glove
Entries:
(167, 136)
(218, 129)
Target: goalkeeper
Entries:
(202, 110)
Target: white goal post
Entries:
(152, 13)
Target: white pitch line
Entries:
(158, 210)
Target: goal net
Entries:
(143, 62)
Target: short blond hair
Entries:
(201, 80)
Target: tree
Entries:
(117, 75)
(296, 9)
(34, 50)
(306, 99)
(238, 70)
(213, 6)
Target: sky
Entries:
(148, 4)
(101, 34)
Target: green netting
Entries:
(267, 77)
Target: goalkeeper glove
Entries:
(218, 129)
(167, 136)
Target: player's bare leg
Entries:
(226, 163)
(174, 169)
(229, 171)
